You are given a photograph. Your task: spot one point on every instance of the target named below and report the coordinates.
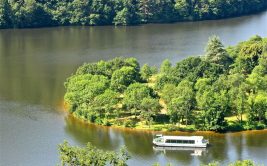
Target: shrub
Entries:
(260, 126)
(235, 126)
(98, 121)
(106, 122)
(129, 123)
(172, 128)
(157, 128)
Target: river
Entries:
(34, 63)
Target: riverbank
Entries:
(169, 128)
(85, 125)
(34, 14)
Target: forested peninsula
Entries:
(42, 13)
(223, 90)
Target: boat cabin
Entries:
(180, 141)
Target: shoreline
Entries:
(134, 129)
(142, 24)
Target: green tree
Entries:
(168, 92)
(213, 102)
(147, 71)
(258, 78)
(257, 107)
(122, 78)
(134, 95)
(84, 88)
(182, 102)
(183, 9)
(6, 14)
(129, 14)
(248, 55)
(243, 163)
(165, 66)
(147, 10)
(149, 108)
(39, 13)
(238, 96)
(216, 53)
(166, 11)
(106, 103)
(90, 155)
(29, 13)
(101, 12)
(173, 110)
(79, 12)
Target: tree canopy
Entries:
(199, 91)
(39, 13)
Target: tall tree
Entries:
(149, 108)
(147, 71)
(213, 102)
(147, 10)
(134, 95)
(165, 66)
(122, 78)
(6, 14)
(257, 108)
(184, 101)
(216, 53)
(129, 15)
(249, 53)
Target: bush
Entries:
(106, 122)
(188, 128)
(90, 155)
(254, 126)
(260, 126)
(118, 122)
(98, 121)
(157, 128)
(172, 128)
(129, 123)
(235, 126)
(90, 117)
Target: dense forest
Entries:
(225, 89)
(90, 155)
(41, 13)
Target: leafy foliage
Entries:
(99, 91)
(197, 91)
(224, 85)
(90, 155)
(39, 13)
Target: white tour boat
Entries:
(180, 141)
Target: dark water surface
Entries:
(34, 64)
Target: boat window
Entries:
(168, 141)
(179, 141)
(191, 141)
(173, 141)
(185, 141)
(159, 139)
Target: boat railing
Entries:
(158, 135)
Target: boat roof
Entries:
(182, 137)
